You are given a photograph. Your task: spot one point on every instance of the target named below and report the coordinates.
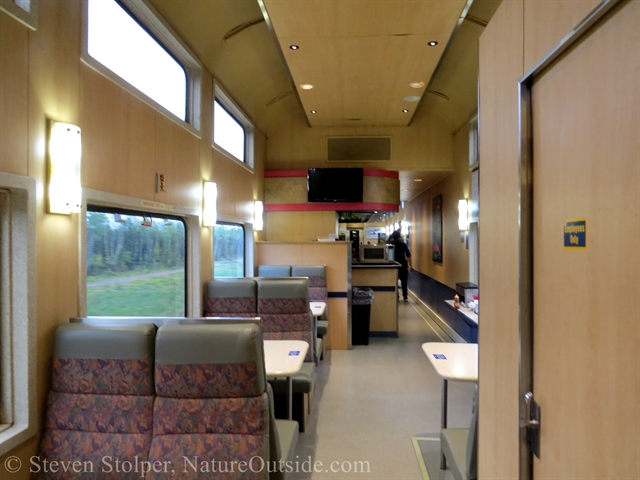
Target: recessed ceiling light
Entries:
(417, 179)
(405, 190)
(416, 84)
(405, 111)
(412, 98)
(314, 111)
(294, 47)
(432, 44)
(306, 86)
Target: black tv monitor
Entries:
(335, 184)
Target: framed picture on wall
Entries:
(436, 252)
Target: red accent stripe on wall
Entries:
(368, 172)
(285, 173)
(380, 173)
(316, 207)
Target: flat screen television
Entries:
(335, 184)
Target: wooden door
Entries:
(586, 315)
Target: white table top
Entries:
(283, 358)
(317, 308)
(454, 361)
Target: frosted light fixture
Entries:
(463, 222)
(65, 152)
(258, 211)
(209, 207)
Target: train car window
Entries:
(228, 133)
(136, 264)
(25, 11)
(228, 250)
(18, 355)
(127, 41)
(120, 43)
(232, 129)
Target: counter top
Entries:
(376, 265)
(467, 312)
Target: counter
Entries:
(382, 278)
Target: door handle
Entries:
(530, 420)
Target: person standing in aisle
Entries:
(403, 257)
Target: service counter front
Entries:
(382, 278)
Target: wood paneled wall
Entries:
(519, 35)
(337, 258)
(425, 145)
(300, 226)
(418, 212)
(282, 190)
(125, 142)
(501, 55)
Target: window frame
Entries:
(244, 250)
(150, 20)
(191, 217)
(29, 18)
(124, 211)
(227, 103)
(18, 330)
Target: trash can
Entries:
(361, 300)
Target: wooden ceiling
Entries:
(361, 55)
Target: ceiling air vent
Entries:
(358, 149)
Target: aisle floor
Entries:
(372, 401)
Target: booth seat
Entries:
(101, 399)
(274, 270)
(317, 275)
(121, 391)
(283, 308)
(213, 401)
(229, 297)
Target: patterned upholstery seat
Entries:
(283, 307)
(212, 400)
(101, 400)
(230, 297)
(317, 275)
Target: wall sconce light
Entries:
(463, 219)
(65, 152)
(404, 227)
(209, 207)
(258, 210)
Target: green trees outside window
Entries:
(135, 264)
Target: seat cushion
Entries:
(288, 435)
(302, 381)
(454, 446)
(274, 270)
(323, 327)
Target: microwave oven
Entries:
(376, 253)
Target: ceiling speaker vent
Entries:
(358, 149)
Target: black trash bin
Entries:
(361, 300)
